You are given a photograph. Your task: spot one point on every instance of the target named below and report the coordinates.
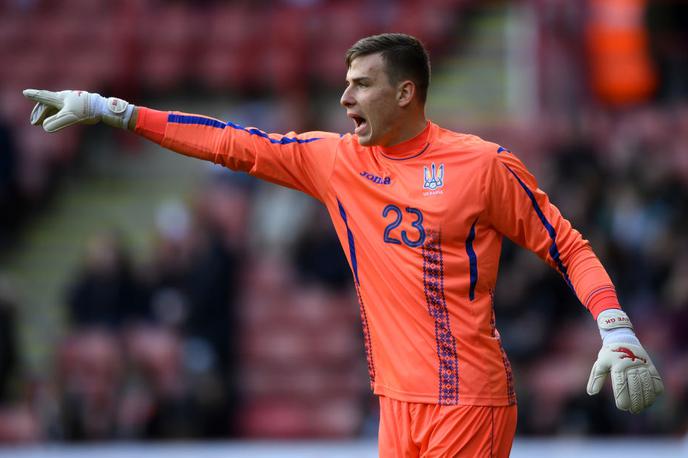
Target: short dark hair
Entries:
(405, 58)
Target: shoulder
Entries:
(483, 152)
(464, 141)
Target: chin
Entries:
(365, 141)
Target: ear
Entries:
(406, 90)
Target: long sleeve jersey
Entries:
(421, 224)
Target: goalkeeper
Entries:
(420, 212)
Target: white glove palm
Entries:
(57, 110)
(635, 380)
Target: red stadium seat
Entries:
(276, 419)
(19, 425)
(90, 364)
(168, 37)
(338, 417)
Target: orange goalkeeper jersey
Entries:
(421, 224)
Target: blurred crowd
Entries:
(216, 336)
(153, 351)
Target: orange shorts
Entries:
(409, 429)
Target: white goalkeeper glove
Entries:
(635, 380)
(57, 110)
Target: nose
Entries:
(347, 100)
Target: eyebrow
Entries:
(360, 79)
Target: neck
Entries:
(407, 129)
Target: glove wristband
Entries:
(612, 319)
(112, 111)
(615, 327)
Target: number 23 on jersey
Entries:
(391, 236)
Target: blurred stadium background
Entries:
(146, 297)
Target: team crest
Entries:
(433, 177)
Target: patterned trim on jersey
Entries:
(553, 250)
(203, 121)
(472, 260)
(433, 282)
(366, 339)
(364, 315)
(511, 393)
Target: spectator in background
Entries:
(195, 281)
(318, 255)
(106, 292)
(90, 371)
(105, 297)
(120, 371)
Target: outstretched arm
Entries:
(300, 161)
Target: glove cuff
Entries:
(113, 111)
(616, 327)
(612, 319)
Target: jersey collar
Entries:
(410, 148)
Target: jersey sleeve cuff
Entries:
(602, 300)
(151, 124)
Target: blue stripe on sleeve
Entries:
(352, 246)
(553, 250)
(472, 261)
(199, 120)
(203, 121)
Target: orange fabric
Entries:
(603, 299)
(431, 430)
(151, 124)
(421, 224)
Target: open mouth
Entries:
(360, 123)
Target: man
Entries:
(420, 212)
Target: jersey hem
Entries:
(491, 401)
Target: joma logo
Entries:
(376, 179)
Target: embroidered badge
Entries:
(433, 178)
